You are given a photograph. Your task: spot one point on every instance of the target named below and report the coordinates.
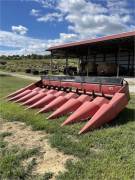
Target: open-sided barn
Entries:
(109, 55)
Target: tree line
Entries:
(18, 57)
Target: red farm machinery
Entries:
(95, 99)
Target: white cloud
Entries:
(80, 6)
(47, 3)
(118, 7)
(27, 45)
(89, 19)
(86, 19)
(19, 29)
(35, 12)
(51, 17)
(68, 37)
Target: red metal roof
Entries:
(90, 41)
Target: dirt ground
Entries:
(48, 160)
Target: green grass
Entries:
(4, 134)
(105, 153)
(11, 160)
(11, 163)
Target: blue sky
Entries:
(31, 26)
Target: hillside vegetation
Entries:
(35, 66)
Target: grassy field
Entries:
(105, 154)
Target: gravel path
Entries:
(131, 81)
(21, 76)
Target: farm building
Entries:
(110, 55)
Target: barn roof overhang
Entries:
(106, 43)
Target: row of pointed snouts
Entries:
(79, 108)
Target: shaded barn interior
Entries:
(110, 55)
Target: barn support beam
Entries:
(88, 55)
(118, 59)
(104, 56)
(129, 62)
(51, 63)
(133, 62)
(66, 63)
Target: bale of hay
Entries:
(44, 72)
(28, 70)
(90, 67)
(3, 62)
(13, 70)
(35, 72)
(107, 69)
(86, 68)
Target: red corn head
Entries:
(28, 96)
(51, 91)
(34, 99)
(56, 95)
(70, 106)
(70, 95)
(16, 93)
(20, 95)
(25, 92)
(59, 93)
(83, 107)
(57, 102)
(107, 112)
(43, 90)
(45, 100)
(31, 86)
(36, 89)
(86, 110)
(42, 102)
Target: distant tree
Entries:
(29, 56)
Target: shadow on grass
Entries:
(127, 115)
